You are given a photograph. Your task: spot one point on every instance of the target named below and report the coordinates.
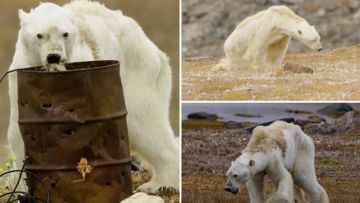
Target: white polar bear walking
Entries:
(261, 40)
(284, 153)
(83, 30)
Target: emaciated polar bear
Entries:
(284, 153)
(84, 30)
(261, 40)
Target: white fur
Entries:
(143, 197)
(261, 40)
(296, 169)
(145, 74)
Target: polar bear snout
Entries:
(53, 58)
(231, 189)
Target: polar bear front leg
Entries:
(299, 195)
(158, 148)
(284, 184)
(150, 134)
(256, 188)
(14, 137)
(13, 133)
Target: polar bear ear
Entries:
(251, 163)
(22, 16)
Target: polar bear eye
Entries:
(66, 34)
(39, 36)
(235, 176)
(299, 31)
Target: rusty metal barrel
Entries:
(68, 115)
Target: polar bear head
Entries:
(48, 33)
(238, 174)
(295, 26)
(307, 34)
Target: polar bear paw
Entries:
(150, 187)
(141, 197)
(278, 199)
(219, 67)
(153, 188)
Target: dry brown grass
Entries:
(335, 77)
(209, 189)
(207, 154)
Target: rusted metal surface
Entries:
(64, 116)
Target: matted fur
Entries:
(87, 37)
(285, 11)
(266, 138)
(261, 40)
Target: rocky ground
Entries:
(169, 195)
(207, 23)
(330, 75)
(207, 153)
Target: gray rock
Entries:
(336, 110)
(202, 116)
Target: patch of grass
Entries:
(245, 115)
(335, 114)
(326, 83)
(297, 111)
(191, 124)
(329, 162)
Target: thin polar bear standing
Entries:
(261, 40)
(84, 30)
(284, 153)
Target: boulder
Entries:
(336, 110)
(202, 116)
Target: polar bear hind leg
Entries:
(305, 176)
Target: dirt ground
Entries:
(207, 154)
(329, 76)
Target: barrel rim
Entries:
(112, 64)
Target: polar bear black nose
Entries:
(227, 189)
(53, 58)
(320, 49)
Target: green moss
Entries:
(196, 124)
(336, 114)
(329, 162)
(247, 115)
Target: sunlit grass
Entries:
(335, 77)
